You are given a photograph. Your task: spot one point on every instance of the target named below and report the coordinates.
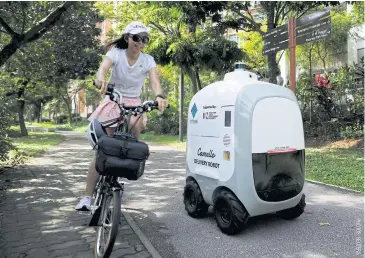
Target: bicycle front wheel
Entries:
(107, 230)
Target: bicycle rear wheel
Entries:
(107, 232)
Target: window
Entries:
(360, 55)
(227, 119)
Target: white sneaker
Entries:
(84, 204)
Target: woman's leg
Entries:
(92, 175)
(138, 125)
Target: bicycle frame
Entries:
(106, 182)
(112, 181)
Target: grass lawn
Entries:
(76, 127)
(164, 139)
(32, 145)
(42, 125)
(336, 166)
(80, 128)
(342, 167)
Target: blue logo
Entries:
(194, 109)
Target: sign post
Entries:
(292, 45)
(310, 28)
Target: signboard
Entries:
(313, 27)
(309, 28)
(326, 22)
(279, 31)
(275, 47)
(312, 17)
(315, 35)
(275, 40)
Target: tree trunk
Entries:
(198, 79)
(192, 77)
(271, 58)
(23, 129)
(181, 107)
(21, 104)
(8, 51)
(76, 104)
(69, 108)
(323, 58)
(176, 89)
(38, 112)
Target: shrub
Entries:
(336, 112)
(166, 123)
(60, 119)
(6, 120)
(354, 131)
(65, 127)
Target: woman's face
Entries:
(137, 42)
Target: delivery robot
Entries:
(245, 152)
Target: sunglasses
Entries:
(137, 38)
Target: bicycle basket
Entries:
(121, 156)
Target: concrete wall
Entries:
(355, 47)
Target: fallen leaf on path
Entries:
(324, 223)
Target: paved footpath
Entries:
(37, 217)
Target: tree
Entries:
(239, 16)
(358, 12)
(26, 31)
(253, 46)
(6, 119)
(44, 67)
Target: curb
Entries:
(140, 235)
(334, 186)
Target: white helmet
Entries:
(94, 131)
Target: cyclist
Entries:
(129, 68)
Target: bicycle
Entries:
(106, 208)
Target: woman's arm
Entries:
(156, 88)
(101, 74)
(155, 82)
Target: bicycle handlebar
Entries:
(147, 106)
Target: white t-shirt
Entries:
(129, 79)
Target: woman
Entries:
(129, 70)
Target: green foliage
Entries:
(253, 45)
(336, 112)
(328, 51)
(354, 131)
(39, 73)
(358, 12)
(6, 120)
(239, 16)
(24, 23)
(166, 123)
(66, 127)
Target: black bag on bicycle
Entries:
(122, 156)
